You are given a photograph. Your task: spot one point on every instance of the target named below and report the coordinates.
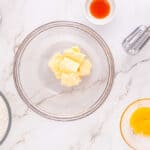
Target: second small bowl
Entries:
(137, 142)
(102, 21)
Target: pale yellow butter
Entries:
(70, 66)
(55, 61)
(85, 68)
(75, 54)
(70, 79)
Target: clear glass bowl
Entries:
(7, 119)
(137, 142)
(37, 85)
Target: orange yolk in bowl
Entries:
(100, 8)
(140, 121)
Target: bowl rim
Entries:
(81, 27)
(9, 118)
(122, 116)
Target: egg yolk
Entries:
(140, 121)
(100, 8)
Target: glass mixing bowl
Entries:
(37, 85)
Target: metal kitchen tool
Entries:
(136, 40)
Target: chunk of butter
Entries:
(55, 61)
(70, 66)
(54, 64)
(85, 68)
(75, 54)
(70, 79)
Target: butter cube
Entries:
(68, 65)
(75, 49)
(55, 62)
(70, 79)
(85, 68)
(75, 54)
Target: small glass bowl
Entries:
(9, 119)
(38, 87)
(137, 142)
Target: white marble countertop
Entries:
(100, 130)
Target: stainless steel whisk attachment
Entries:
(136, 40)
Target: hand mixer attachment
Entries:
(136, 40)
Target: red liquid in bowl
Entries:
(100, 8)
